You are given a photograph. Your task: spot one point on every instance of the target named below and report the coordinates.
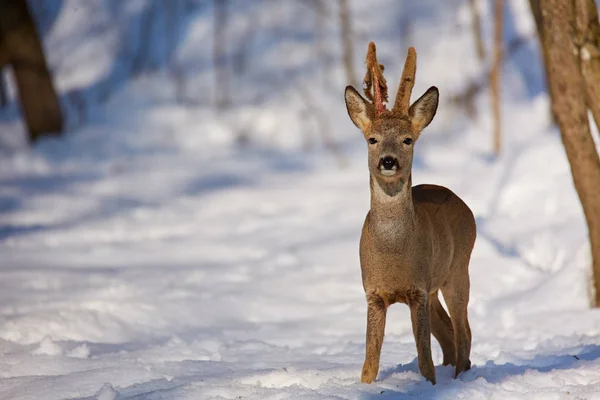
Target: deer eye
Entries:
(407, 141)
(372, 140)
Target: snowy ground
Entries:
(147, 256)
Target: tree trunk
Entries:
(536, 10)
(587, 41)
(3, 94)
(495, 75)
(348, 54)
(567, 83)
(476, 27)
(20, 44)
(222, 99)
(320, 52)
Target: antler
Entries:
(406, 83)
(374, 78)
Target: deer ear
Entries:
(423, 110)
(360, 111)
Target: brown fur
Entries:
(415, 241)
(407, 82)
(375, 81)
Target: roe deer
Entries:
(415, 240)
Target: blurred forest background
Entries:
(261, 65)
(245, 58)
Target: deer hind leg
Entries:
(375, 329)
(418, 301)
(441, 328)
(456, 294)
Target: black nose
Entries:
(388, 162)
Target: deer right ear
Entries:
(423, 110)
(360, 110)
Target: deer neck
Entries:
(392, 210)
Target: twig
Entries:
(496, 74)
(476, 26)
(346, 36)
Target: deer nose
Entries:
(388, 162)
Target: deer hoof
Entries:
(465, 367)
(368, 374)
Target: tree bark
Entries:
(567, 83)
(20, 46)
(537, 16)
(536, 10)
(587, 41)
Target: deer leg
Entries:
(418, 301)
(375, 330)
(441, 328)
(456, 295)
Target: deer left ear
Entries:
(360, 111)
(423, 110)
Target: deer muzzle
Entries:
(388, 165)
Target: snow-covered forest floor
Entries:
(165, 250)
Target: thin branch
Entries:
(496, 75)
(476, 27)
(346, 36)
(219, 51)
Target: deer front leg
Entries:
(418, 301)
(375, 329)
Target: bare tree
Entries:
(219, 54)
(495, 75)
(476, 27)
(20, 47)
(348, 51)
(3, 94)
(466, 98)
(569, 36)
(320, 19)
(537, 16)
(536, 10)
(4, 60)
(587, 42)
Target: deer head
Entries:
(390, 134)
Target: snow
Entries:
(151, 254)
(106, 392)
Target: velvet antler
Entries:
(402, 102)
(374, 79)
